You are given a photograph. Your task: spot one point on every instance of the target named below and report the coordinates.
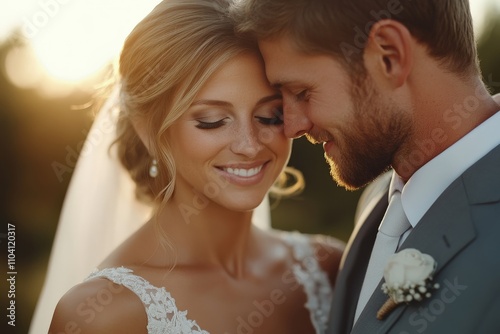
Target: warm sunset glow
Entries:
(83, 36)
(70, 40)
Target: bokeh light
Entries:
(22, 68)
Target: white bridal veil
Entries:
(99, 212)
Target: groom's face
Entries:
(359, 127)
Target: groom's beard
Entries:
(368, 144)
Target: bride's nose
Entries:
(246, 141)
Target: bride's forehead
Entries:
(242, 75)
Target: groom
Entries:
(395, 84)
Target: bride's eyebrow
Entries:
(213, 103)
(220, 103)
(269, 98)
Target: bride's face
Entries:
(229, 146)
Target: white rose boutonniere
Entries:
(408, 277)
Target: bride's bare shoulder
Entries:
(99, 306)
(328, 252)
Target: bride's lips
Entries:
(244, 174)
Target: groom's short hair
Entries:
(341, 27)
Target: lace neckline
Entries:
(164, 317)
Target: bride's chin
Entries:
(242, 205)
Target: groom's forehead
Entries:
(281, 60)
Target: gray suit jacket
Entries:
(461, 231)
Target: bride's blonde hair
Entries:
(165, 61)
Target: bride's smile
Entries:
(244, 174)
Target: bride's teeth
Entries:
(244, 172)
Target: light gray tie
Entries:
(393, 225)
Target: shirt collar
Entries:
(430, 181)
(397, 184)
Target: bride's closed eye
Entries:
(276, 119)
(210, 125)
(302, 95)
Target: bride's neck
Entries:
(209, 236)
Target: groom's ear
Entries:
(389, 52)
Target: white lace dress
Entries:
(165, 318)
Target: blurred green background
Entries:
(38, 129)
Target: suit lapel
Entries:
(353, 265)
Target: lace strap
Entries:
(163, 315)
(311, 276)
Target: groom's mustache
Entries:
(318, 137)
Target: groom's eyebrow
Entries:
(279, 84)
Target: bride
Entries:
(200, 132)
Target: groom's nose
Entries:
(296, 122)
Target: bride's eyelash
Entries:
(302, 95)
(210, 125)
(276, 120)
(270, 120)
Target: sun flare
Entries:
(71, 40)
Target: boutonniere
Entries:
(408, 278)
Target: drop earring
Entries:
(153, 169)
